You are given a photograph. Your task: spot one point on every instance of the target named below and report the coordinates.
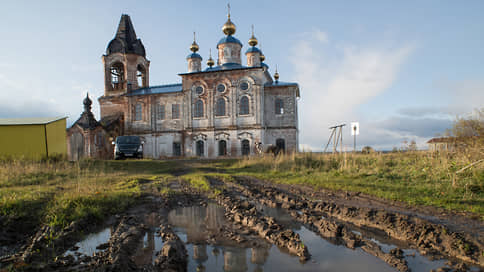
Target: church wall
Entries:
(289, 116)
(289, 136)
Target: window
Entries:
(244, 86)
(220, 107)
(200, 148)
(175, 111)
(198, 108)
(199, 90)
(222, 148)
(279, 106)
(176, 149)
(244, 105)
(117, 75)
(220, 88)
(245, 147)
(138, 112)
(160, 112)
(141, 76)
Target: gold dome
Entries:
(228, 28)
(276, 75)
(253, 39)
(262, 57)
(210, 61)
(194, 47)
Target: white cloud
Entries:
(332, 87)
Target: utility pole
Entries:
(337, 137)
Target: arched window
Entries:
(138, 112)
(279, 105)
(244, 105)
(222, 148)
(141, 76)
(117, 75)
(220, 107)
(198, 108)
(245, 147)
(200, 148)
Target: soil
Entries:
(342, 218)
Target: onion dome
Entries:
(228, 28)
(253, 39)
(253, 49)
(276, 75)
(194, 47)
(210, 61)
(87, 103)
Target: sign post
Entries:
(355, 130)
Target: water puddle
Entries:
(90, 243)
(147, 250)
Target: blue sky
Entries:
(403, 69)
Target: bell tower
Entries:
(125, 65)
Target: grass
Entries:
(57, 192)
(414, 177)
(60, 192)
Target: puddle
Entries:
(191, 225)
(88, 245)
(281, 216)
(146, 252)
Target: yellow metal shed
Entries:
(33, 137)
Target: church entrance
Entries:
(222, 148)
(281, 146)
(200, 148)
(245, 147)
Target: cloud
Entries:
(335, 80)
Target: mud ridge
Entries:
(427, 237)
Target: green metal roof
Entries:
(29, 121)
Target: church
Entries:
(224, 109)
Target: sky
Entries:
(403, 69)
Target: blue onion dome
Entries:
(229, 39)
(253, 49)
(194, 56)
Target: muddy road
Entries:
(245, 224)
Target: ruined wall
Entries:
(288, 135)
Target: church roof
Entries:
(280, 83)
(253, 49)
(194, 55)
(229, 39)
(125, 40)
(169, 88)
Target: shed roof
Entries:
(29, 121)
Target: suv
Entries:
(128, 146)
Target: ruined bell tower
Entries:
(125, 65)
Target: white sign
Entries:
(355, 128)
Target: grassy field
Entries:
(420, 178)
(59, 192)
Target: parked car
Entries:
(128, 147)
